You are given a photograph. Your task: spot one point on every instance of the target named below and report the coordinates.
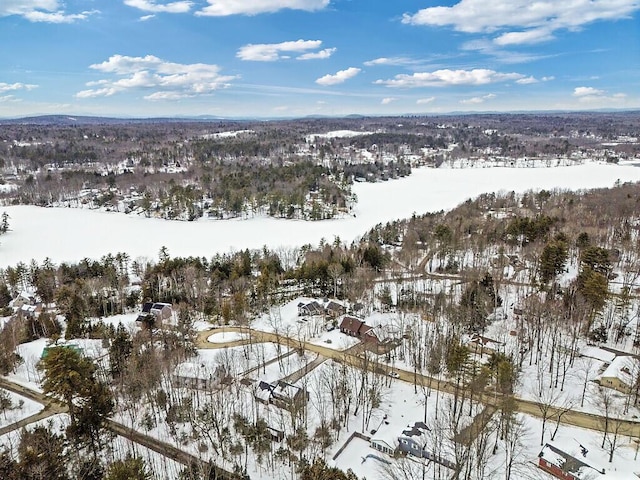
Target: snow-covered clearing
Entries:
(74, 234)
(226, 337)
(336, 134)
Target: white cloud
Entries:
(425, 101)
(221, 8)
(339, 77)
(522, 21)
(169, 80)
(446, 77)
(12, 87)
(488, 47)
(391, 61)
(594, 95)
(48, 11)
(153, 6)
(536, 35)
(587, 91)
(20, 7)
(527, 80)
(319, 55)
(8, 98)
(270, 52)
(144, 18)
(477, 100)
(56, 17)
(388, 100)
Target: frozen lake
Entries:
(72, 234)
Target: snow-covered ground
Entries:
(336, 134)
(159, 465)
(73, 234)
(20, 408)
(225, 337)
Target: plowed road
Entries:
(529, 407)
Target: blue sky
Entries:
(272, 58)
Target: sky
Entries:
(291, 58)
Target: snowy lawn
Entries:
(335, 339)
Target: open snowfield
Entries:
(72, 234)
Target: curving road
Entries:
(350, 357)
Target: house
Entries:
(155, 312)
(310, 308)
(564, 466)
(275, 434)
(281, 394)
(30, 311)
(70, 346)
(199, 375)
(23, 298)
(484, 345)
(621, 374)
(354, 327)
(334, 309)
(413, 440)
(162, 311)
(382, 445)
(146, 315)
(287, 395)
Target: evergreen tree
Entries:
(4, 223)
(131, 468)
(42, 455)
(70, 377)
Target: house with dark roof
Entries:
(282, 394)
(354, 327)
(154, 312)
(310, 308)
(413, 440)
(334, 309)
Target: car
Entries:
(394, 374)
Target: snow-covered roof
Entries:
(624, 368)
(597, 353)
(567, 463)
(201, 371)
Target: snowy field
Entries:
(73, 234)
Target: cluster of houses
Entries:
(329, 309)
(28, 305)
(414, 441)
(348, 324)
